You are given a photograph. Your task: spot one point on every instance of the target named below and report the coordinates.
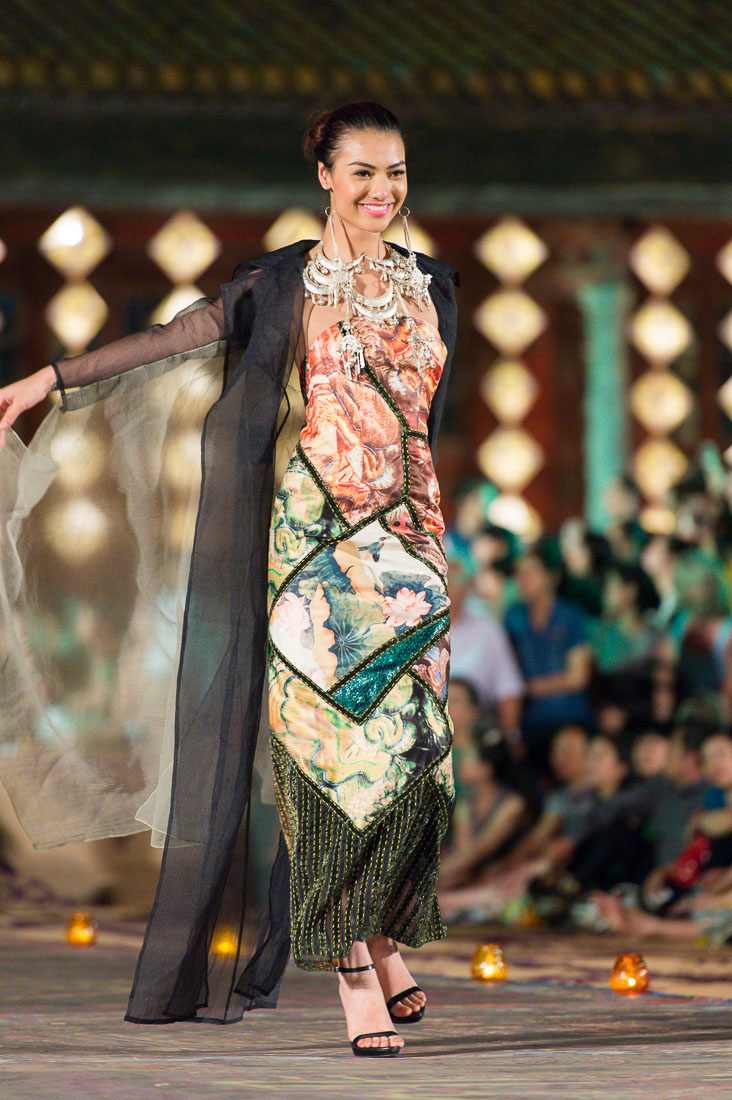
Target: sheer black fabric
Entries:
(205, 891)
(217, 939)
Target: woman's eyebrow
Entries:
(364, 165)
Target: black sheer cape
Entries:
(217, 939)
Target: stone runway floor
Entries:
(553, 1029)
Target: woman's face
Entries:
(368, 179)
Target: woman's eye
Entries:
(365, 172)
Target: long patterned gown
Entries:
(358, 653)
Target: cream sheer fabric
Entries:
(98, 514)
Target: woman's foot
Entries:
(393, 976)
(363, 1002)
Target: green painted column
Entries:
(604, 308)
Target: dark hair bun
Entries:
(313, 140)
(326, 129)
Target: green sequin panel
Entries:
(360, 691)
(348, 885)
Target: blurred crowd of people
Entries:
(591, 697)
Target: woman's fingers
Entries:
(8, 412)
(18, 397)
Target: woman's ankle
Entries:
(380, 947)
(359, 955)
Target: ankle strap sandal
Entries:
(369, 1052)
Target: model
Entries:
(325, 586)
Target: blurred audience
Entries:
(591, 695)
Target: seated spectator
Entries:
(624, 636)
(546, 846)
(480, 652)
(664, 801)
(659, 559)
(622, 500)
(550, 639)
(701, 877)
(495, 808)
(586, 556)
(493, 551)
(612, 848)
(472, 497)
(594, 852)
(701, 627)
(650, 753)
(495, 587)
(565, 810)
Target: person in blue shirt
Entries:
(549, 636)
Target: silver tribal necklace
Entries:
(331, 282)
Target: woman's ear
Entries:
(323, 176)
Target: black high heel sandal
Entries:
(370, 1052)
(415, 1014)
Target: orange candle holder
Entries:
(489, 963)
(81, 930)
(629, 974)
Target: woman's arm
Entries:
(711, 822)
(195, 328)
(535, 841)
(574, 677)
(457, 867)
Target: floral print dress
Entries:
(358, 653)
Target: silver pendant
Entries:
(353, 352)
(421, 345)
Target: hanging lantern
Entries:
(81, 930)
(225, 943)
(489, 963)
(629, 975)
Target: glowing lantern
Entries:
(225, 943)
(293, 225)
(489, 963)
(184, 247)
(629, 975)
(81, 930)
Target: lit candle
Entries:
(81, 929)
(629, 974)
(489, 963)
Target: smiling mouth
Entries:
(377, 209)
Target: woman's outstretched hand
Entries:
(22, 395)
